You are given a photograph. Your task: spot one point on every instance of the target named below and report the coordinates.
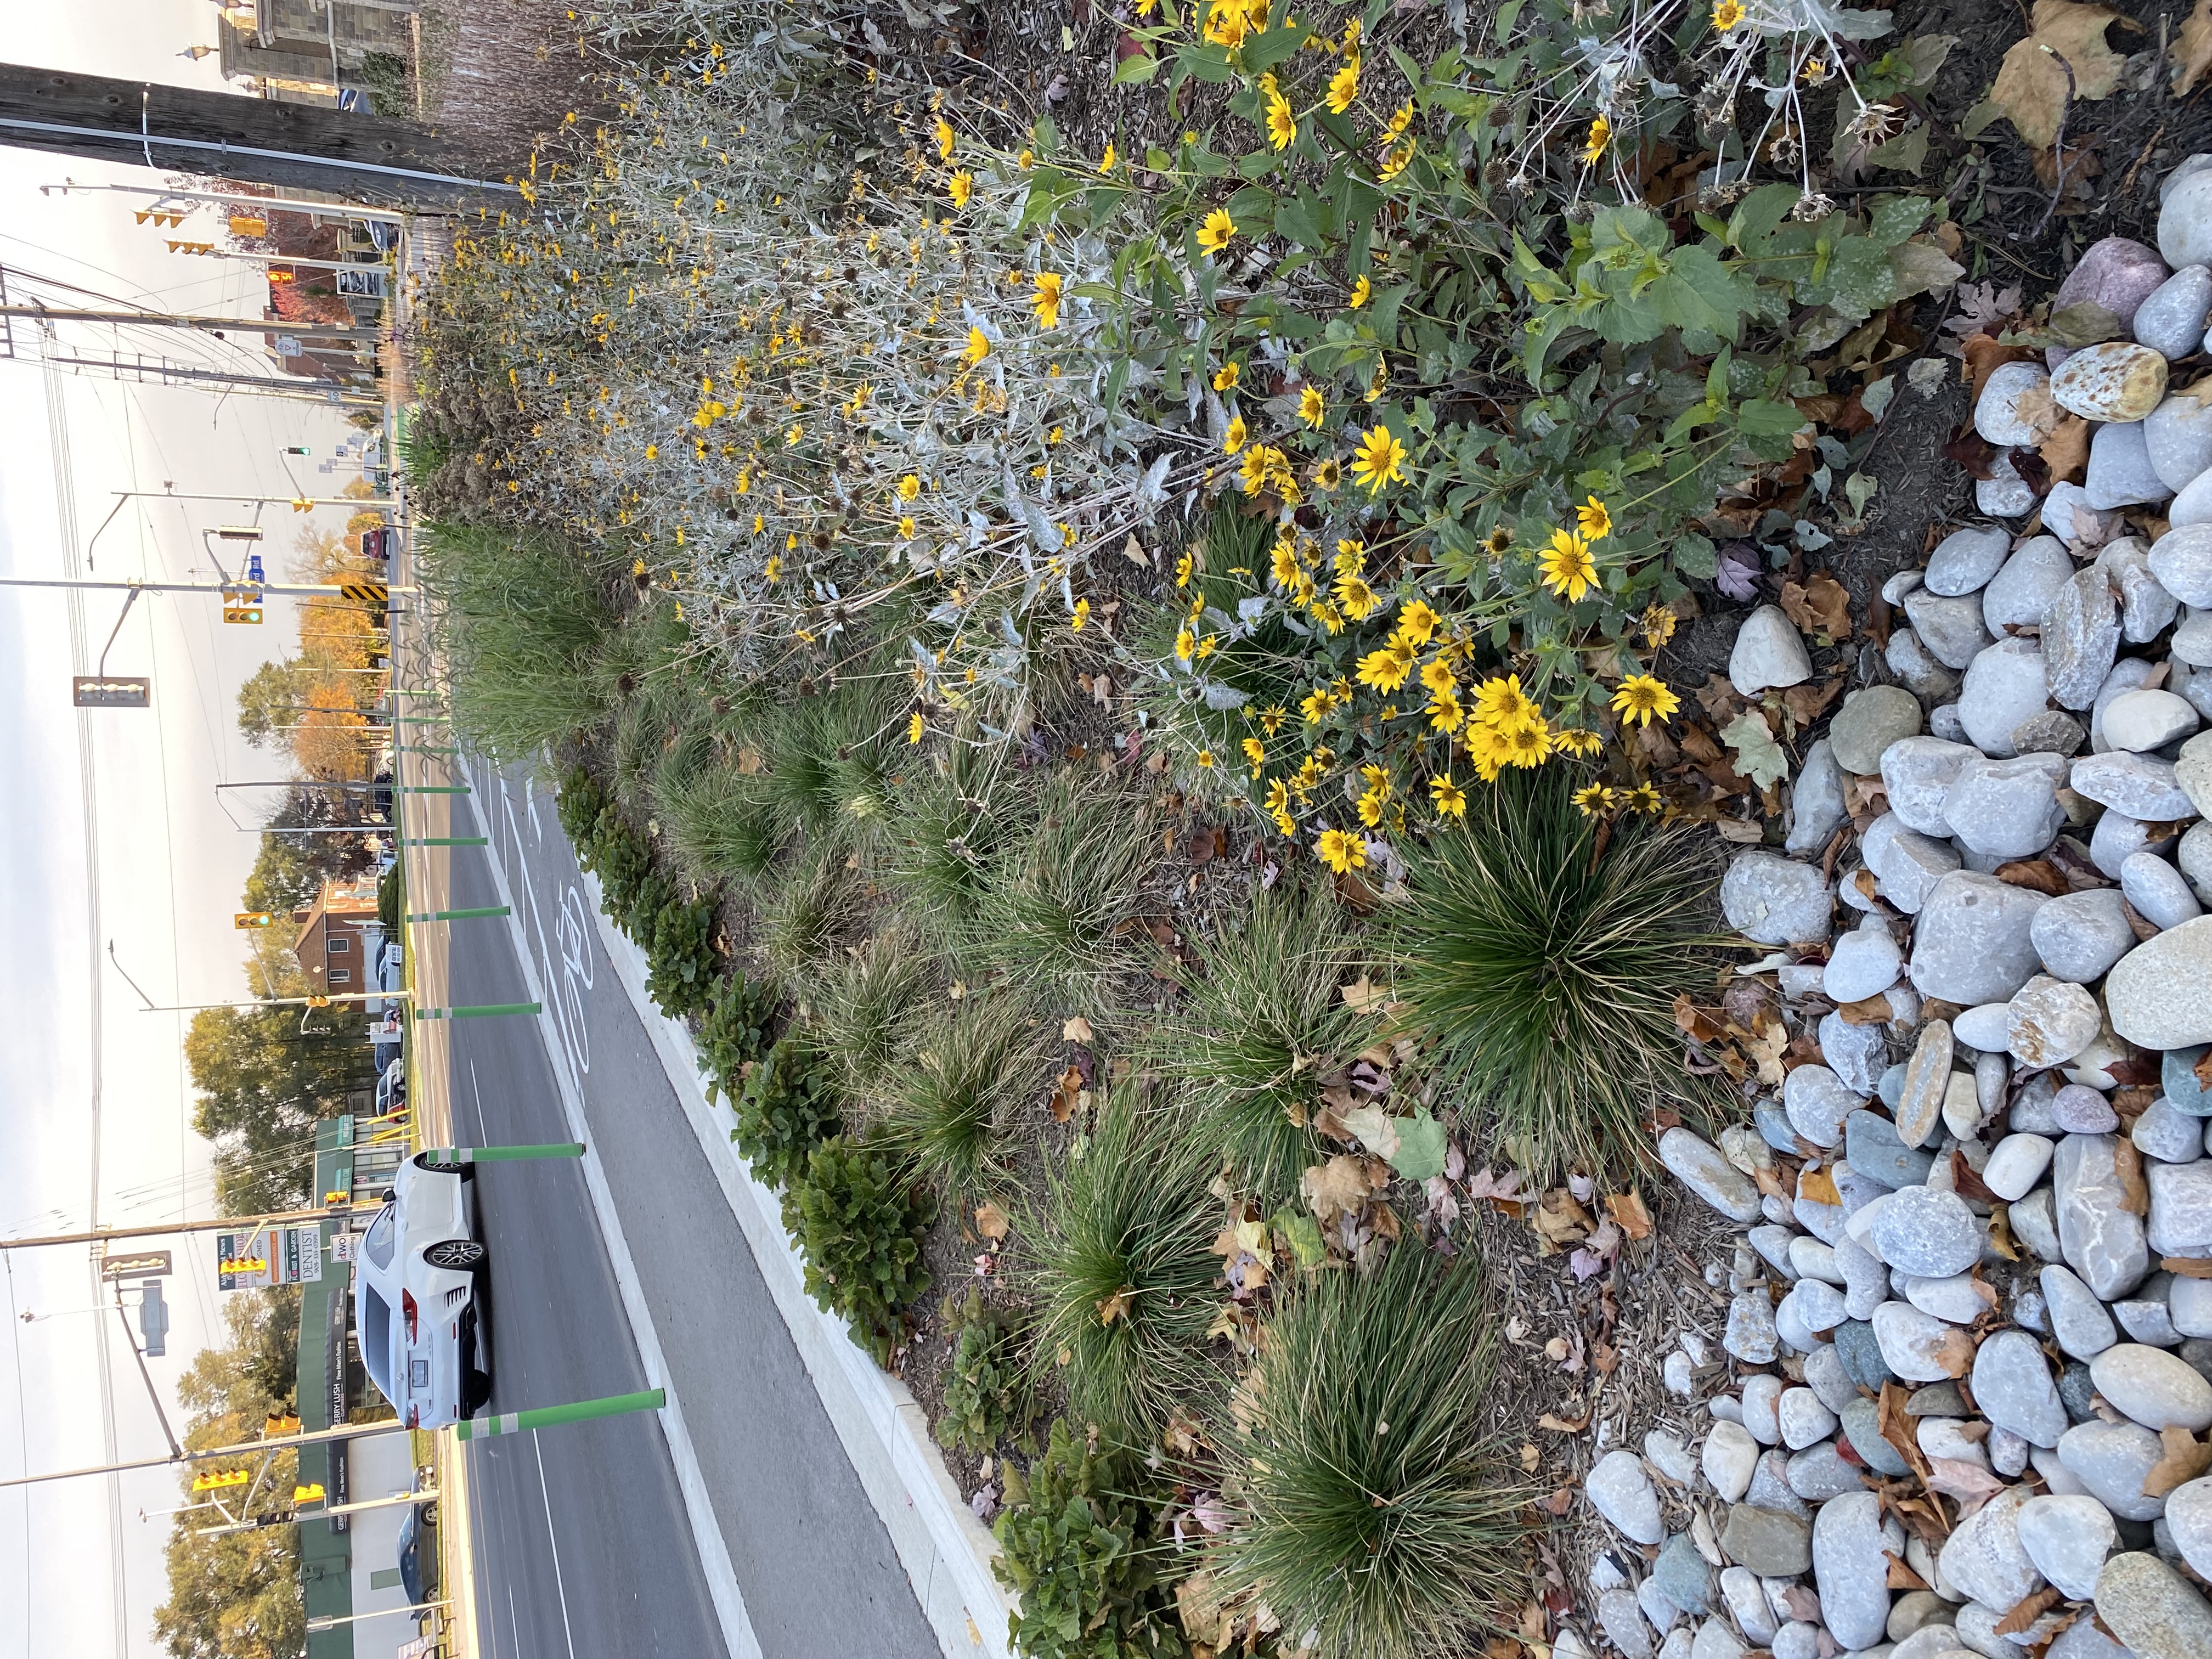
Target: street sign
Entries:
(267, 1257)
(366, 592)
(111, 691)
(244, 919)
(154, 1319)
(288, 345)
(140, 1264)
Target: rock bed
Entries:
(1971, 1314)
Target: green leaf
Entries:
(1762, 417)
(1420, 1146)
(1135, 69)
(1756, 754)
(1860, 277)
(1896, 217)
(1302, 1234)
(1264, 51)
(1206, 63)
(1695, 556)
(1859, 490)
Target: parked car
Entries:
(418, 1554)
(415, 1282)
(391, 1087)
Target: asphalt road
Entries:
(818, 1573)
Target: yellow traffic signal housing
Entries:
(312, 1492)
(243, 1264)
(288, 1423)
(215, 1479)
(242, 613)
(247, 919)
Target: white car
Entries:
(415, 1282)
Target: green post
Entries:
(502, 1154)
(547, 1417)
(458, 916)
(433, 789)
(445, 841)
(479, 1011)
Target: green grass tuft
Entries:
(828, 756)
(1265, 1019)
(812, 906)
(1123, 1269)
(955, 1103)
(950, 822)
(868, 1009)
(1542, 970)
(1051, 901)
(720, 824)
(1375, 1512)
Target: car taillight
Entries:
(407, 1307)
(414, 1417)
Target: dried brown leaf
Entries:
(2182, 1458)
(1363, 996)
(2066, 450)
(1971, 1483)
(2029, 1608)
(1634, 1220)
(2032, 90)
(991, 1222)
(2192, 51)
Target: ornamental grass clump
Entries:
(1376, 1518)
(868, 1009)
(811, 906)
(1541, 955)
(955, 1104)
(1265, 1018)
(951, 820)
(1053, 900)
(720, 823)
(1123, 1269)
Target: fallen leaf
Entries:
(1868, 1011)
(1336, 1188)
(2127, 1163)
(1971, 1483)
(1984, 354)
(2189, 1267)
(1758, 756)
(1899, 1429)
(1373, 1128)
(1807, 703)
(1634, 1220)
(1804, 1604)
(1558, 1425)
(1903, 1578)
(2039, 874)
(2032, 90)
(1820, 606)
(2182, 1458)
(991, 1222)
(2029, 1608)
(2192, 51)
(1361, 996)
(1819, 1185)
(2066, 450)
(1111, 1308)
(1075, 1029)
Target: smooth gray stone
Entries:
(1750, 1333)
(1965, 560)
(1950, 629)
(1851, 1549)
(1746, 1603)
(1699, 1165)
(1863, 962)
(2079, 1320)
(1971, 941)
(1927, 1076)
(2068, 515)
(2117, 274)
(1985, 1026)
(1768, 1541)
(1623, 1625)
(2180, 1222)
(2158, 892)
(1772, 1243)
(2014, 1388)
(2034, 1222)
(2182, 560)
(2008, 809)
(1859, 1417)
(2118, 838)
(2016, 1164)
(2178, 437)
(1773, 1125)
(1770, 1486)
(1684, 1577)
(2128, 674)
(2178, 1077)
(1869, 722)
(2153, 1609)
(2003, 688)
(2076, 1392)
(1914, 1344)
(2079, 936)
(2102, 1241)
(1825, 1376)
(1943, 722)
(1861, 1349)
(1818, 1103)
(2167, 1133)
(1858, 1055)
(2194, 855)
(1819, 1306)
(2081, 1640)
(1871, 1143)
(2004, 494)
(2050, 1021)
(1819, 1473)
(2033, 1107)
(1866, 1280)
(1715, 1640)
(2193, 505)
(2189, 1518)
(1916, 667)
(2142, 785)
(2021, 593)
(1927, 1233)
(2159, 995)
(1998, 418)
(1775, 901)
(2080, 638)
(1729, 1455)
(1918, 1610)
(1816, 801)
(2120, 472)
(2146, 1319)
(1618, 1489)
(1906, 863)
(1916, 774)
(2192, 642)
(1769, 652)
(2110, 1460)
(2147, 610)
(1796, 1640)
(2189, 1304)
(2068, 1539)
(2144, 719)
(2192, 769)
(1985, 1557)
(2172, 320)
(1951, 1298)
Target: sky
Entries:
(167, 859)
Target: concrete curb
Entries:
(947, 1552)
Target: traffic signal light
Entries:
(243, 1264)
(242, 604)
(285, 1423)
(216, 1479)
(311, 1492)
(248, 919)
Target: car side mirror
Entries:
(390, 1194)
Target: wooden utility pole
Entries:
(247, 140)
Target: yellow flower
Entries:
(1593, 146)
(1528, 742)
(1351, 555)
(1727, 13)
(1814, 73)
(1045, 301)
(1025, 159)
(1312, 406)
(1395, 161)
(1416, 622)
(1226, 377)
(1565, 567)
(1401, 119)
(1257, 753)
(1213, 236)
(1344, 87)
(1378, 461)
(1385, 669)
(1501, 701)
(960, 187)
(1106, 161)
(909, 487)
(1485, 748)
(1185, 643)
(1205, 757)
(1286, 570)
(1282, 124)
(1183, 568)
(943, 139)
(1445, 712)
(1658, 623)
(1082, 615)
(1233, 440)
(1341, 852)
(1597, 799)
(637, 566)
(1437, 674)
(978, 347)
(651, 451)
(915, 727)
(1575, 740)
(1593, 520)
(1369, 808)
(1328, 474)
(1278, 796)
(1272, 718)
(1356, 598)
(906, 527)
(1362, 291)
(1645, 799)
(1498, 540)
(1639, 696)
(1451, 800)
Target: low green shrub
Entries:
(987, 1389)
(1071, 1546)
(954, 1104)
(682, 965)
(1541, 966)
(1264, 1020)
(858, 1219)
(391, 900)
(1376, 1511)
(786, 1109)
(733, 1032)
(1122, 1264)
(675, 934)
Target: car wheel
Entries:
(475, 1392)
(430, 1511)
(465, 1253)
(447, 1166)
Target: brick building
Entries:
(338, 937)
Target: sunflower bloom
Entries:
(1226, 377)
(978, 347)
(1385, 669)
(1658, 623)
(943, 139)
(1576, 740)
(1600, 132)
(1214, 234)
(1282, 124)
(960, 187)
(1233, 440)
(1328, 474)
(1343, 88)
(1501, 703)
(1341, 852)
(1566, 568)
(909, 487)
(1417, 622)
(1356, 598)
(1446, 712)
(1528, 742)
(1378, 460)
(1312, 406)
(914, 724)
(1257, 753)
(1727, 13)
(1592, 520)
(1045, 298)
(1369, 808)
(1449, 798)
(1640, 696)
(1645, 799)
(1596, 800)
(1362, 291)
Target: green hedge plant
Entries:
(858, 1217)
(786, 1109)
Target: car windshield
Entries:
(375, 1325)
(381, 1234)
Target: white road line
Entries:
(714, 1563)
(559, 1583)
(483, 1135)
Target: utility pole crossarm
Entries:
(321, 590)
(234, 1224)
(214, 324)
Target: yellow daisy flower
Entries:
(960, 187)
(1312, 406)
(1378, 460)
(1565, 567)
(1045, 299)
(1214, 234)
(1597, 799)
(1362, 291)
(1449, 798)
(1282, 124)
(1343, 88)
(1226, 377)
(1591, 519)
(1727, 13)
(1600, 131)
(1233, 440)
(1640, 696)
(1341, 852)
